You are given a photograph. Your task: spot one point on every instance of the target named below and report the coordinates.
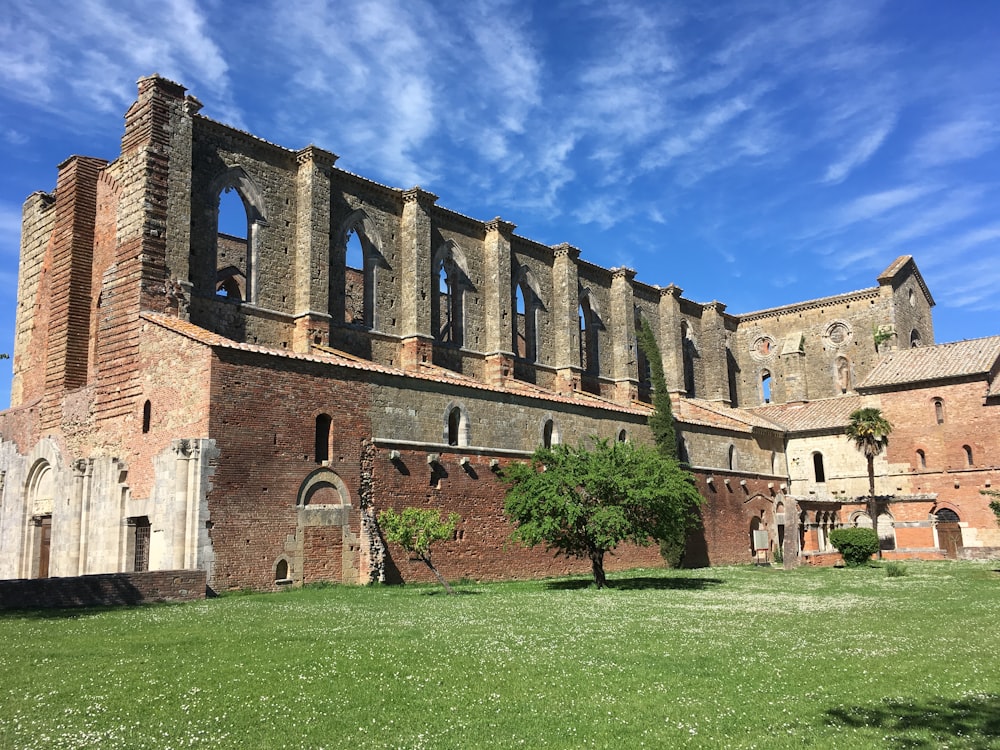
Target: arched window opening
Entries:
(765, 386)
(547, 433)
(589, 360)
(622, 436)
(774, 463)
(521, 341)
(356, 287)
(354, 257)
(939, 410)
(921, 459)
(232, 246)
(947, 515)
(818, 471)
(688, 351)
(454, 425)
(323, 422)
(147, 414)
(968, 455)
(843, 374)
(683, 450)
(449, 309)
(733, 458)
(914, 338)
(281, 570)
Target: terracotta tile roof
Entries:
(427, 372)
(941, 362)
(713, 414)
(821, 414)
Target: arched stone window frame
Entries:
(733, 457)
(589, 324)
(525, 282)
(236, 178)
(461, 431)
(921, 458)
(842, 374)
(819, 468)
(451, 268)
(766, 382)
(938, 405)
(319, 479)
(549, 434)
(324, 424)
(968, 455)
(689, 352)
(361, 224)
(915, 339)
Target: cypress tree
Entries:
(661, 421)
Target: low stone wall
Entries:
(979, 553)
(109, 589)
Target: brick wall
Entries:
(113, 589)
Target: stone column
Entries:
(417, 274)
(498, 298)
(565, 306)
(624, 354)
(671, 346)
(715, 368)
(312, 248)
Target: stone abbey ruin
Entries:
(245, 406)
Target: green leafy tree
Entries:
(661, 421)
(855, 545)
(585, 502)
(869, 431)
(415, 530)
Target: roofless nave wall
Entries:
(184, 398)
(430, 284)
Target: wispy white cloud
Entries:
(958, 140)
(873, 205)
(860, 151)
(90, 53)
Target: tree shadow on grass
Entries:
(638, 583)
(972, 722)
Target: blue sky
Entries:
(753, 153)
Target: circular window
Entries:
(838, 333)
(762, 347)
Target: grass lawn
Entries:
(721, 657)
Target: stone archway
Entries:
(949, 532)
(327, 531)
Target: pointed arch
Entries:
(451, 282)
(235, 258)
(589, 321)
(353, 291)
(526, 302)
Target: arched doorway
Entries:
(949, 532)
(40, 491)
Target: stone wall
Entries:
(109, 590)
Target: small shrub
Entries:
(895, 569)
(856, 546)
(779, 555)
(672, 552)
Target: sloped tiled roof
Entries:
(426, 372)
(713, 414)
(821, 414)
(940, 362)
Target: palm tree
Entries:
(869, 431)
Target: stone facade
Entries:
(244, 403)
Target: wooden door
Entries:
(44, 546)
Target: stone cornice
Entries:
(566, 250)
(417, 194)
(319, 156)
